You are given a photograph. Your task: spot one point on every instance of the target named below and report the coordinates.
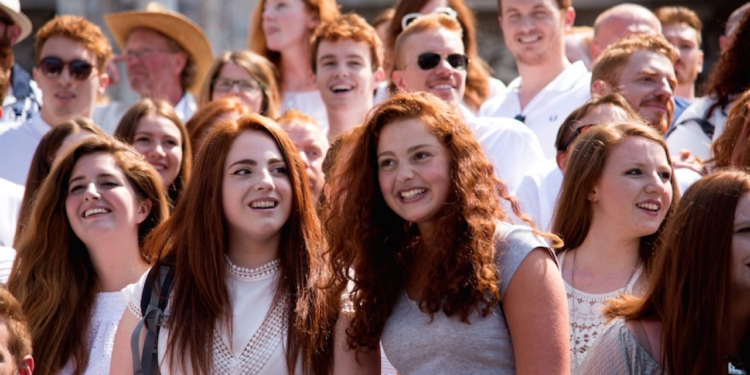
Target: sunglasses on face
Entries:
(575, 135)
(429, 60)
(52, 67)
(411, 17)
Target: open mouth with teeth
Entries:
(341, 88)
(95, 211)
(264, 204)
(409, 194)
(652, 207)
(529, 39)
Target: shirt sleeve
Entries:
(518, 242)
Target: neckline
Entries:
(251, 274)
(600, 296)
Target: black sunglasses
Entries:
(430, 60)
(52, 67)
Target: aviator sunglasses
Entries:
(430, 60)
(52, 67)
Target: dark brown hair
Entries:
(729, 76)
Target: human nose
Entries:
(157, 150)
(265, 182)
(657, 184)
(91, 192)
(664, 89)
(305, 160)
(404, 172)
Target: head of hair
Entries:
(211, 114)
(729, 76)
(128, 127)
(691, 289)
(53, 276)
(200, 294)
(259, 68)
(81, 31)
(324, 10)
(293, 118)
(377, 242)
(561, 4)
(615, 57)
(347, 27)
(730, 149)
(420, 25)
(6, 64)
(568, 126)
(734, 19)
(41, 163)
(670, 15)
(478, 72)
(386, 15)
(19, 337)
(574, 212)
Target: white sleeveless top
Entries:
(586, 318)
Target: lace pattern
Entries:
(247, 274)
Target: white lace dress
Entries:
(586, 319)
(258, 327)
(105, 318)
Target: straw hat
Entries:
(172, 24)
(13, 9)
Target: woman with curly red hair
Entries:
(435, 270)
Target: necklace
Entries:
(574, 324)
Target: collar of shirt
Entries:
(563, 82)
(186, 107)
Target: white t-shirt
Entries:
(509, 145)
(308, 102)
(105, 317)
(538, 194)
(258, 335)
(108, 116)
(11, 196)
(17, 147)
(548, 109)
(7, 256)
(689, 136)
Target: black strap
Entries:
(152, 310)
(706, 127)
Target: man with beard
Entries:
(641, 69)
(548, 87)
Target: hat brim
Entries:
(19, 19)
(176, 27)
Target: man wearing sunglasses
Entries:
(347, 57)
(23, 99)
(166, 56)
(548, 87)
(72, 55)
(429, 56)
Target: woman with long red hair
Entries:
(695, 316)
(435, 270)
(245, 250)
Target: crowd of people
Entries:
(348, 198)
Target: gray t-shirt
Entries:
(414, 345)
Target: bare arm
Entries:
(347, 361)
(536, 311)
(122, 356)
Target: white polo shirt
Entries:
(17, 147)
(690, 136)
(546, 111)
(538, 194)
(511, 147)
(11, 196)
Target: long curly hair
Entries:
(730, 76)
(53, 275)
(194, 245)
(730, 149)
(374, 249)
(478, 73)
(691, 287)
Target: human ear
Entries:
(144, 209)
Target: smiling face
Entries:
(101, 201)
(252, 98)
(741, 245)
(160, 141)
(634, 192)
(685, 39)
(647, 82)
(67, 98)
(256, 190)
(344, 73)
(443, 81)
(287, 23)
(534, 30)
(413, 172)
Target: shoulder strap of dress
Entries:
(634, 278)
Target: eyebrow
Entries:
(408, 150)
(255, 163)
(77, 178)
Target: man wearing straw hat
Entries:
(166, 56)
(23, 98)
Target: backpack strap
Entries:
(152, 310)
(706, 127)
